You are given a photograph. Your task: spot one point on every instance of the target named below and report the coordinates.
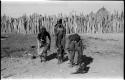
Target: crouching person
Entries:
(43, 46)
(74, 49)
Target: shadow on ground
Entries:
(51, 56)
(54, 55)
(84, 66)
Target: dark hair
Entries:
(60, 21)
(43, 29)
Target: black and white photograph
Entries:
(62, 40)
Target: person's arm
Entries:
(55, 35)
(55, 30)
(38, 36)
(64, 31)
(64, 37)
(49, 37)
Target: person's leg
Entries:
(76, 57)
(63, 54)
(79, 58)
(63, 42)
(38, 47)
(62, 48)
(41, 53)
(69, 55)
(71, 52)
(80, 53)
(40, 50)
(72, 57)
(44, 55)
(59, 55)
(45, 52)
(56, 42)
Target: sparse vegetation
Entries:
(100, 22)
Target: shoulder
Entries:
(47, 33)
(38, 34)
(56, 25)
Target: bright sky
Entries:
(16, 9)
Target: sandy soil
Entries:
(106, 50)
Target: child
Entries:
(43, 46)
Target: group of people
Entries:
(74, 43)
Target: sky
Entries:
(18, 8)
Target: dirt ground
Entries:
(105, 50)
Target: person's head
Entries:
(60, 21)
(43, 29)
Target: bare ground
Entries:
(106, 50)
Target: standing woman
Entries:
(60, 33)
